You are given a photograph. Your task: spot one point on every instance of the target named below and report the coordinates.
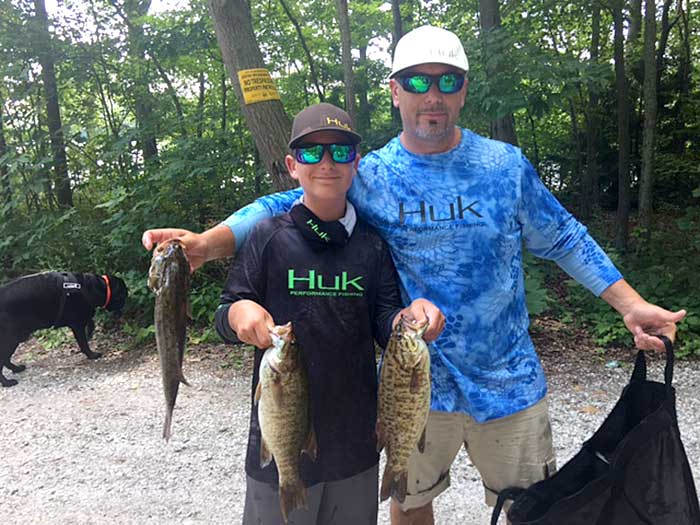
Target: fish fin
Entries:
(387, 482)
(391, 486)
(415, 381)
(417, 376)
(258, 392)
(277, 390)
(292, 496)
(421, 441)
(311, 446)
(265, 454)
(379, 430)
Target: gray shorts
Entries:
(350, 501)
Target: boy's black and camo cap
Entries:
(322, 117)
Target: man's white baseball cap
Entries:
(426, 45)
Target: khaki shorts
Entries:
(513, 451)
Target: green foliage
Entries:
(664, 272)
(536, 293)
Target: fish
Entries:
(169, 278)
(403, 403)
(282, 397)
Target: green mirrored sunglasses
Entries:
(313, 153)
(447, 83)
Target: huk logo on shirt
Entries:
(449, 211)
(313, 283)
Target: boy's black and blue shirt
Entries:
(341, 295)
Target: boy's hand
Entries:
(251, 322)
(418, 310)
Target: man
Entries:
(455, 209)
(332, 276)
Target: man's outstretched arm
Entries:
(215, 243)
(223, 239)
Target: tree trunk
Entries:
(200, 106)
(397, 32)
(535, 147)
(502, 128)
(647, 177)
(268, 123)
(576, 142)
(364, 116)
(173, 94)
(344, 22)
(5, 188)
(309, 56)
(635, 28)
(143, 100)
(666, 26)
(396, 35)
(623, 132)
(683, 79)
(64, 193)
(224, 92)
(589, 180)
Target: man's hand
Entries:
(418, 310)
(251, 322)
(214, 243)
(642, 319)
(645, 320)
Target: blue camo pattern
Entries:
(456, 223)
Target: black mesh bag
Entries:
(633, 470)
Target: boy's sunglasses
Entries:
(313, 153)
(447, 83)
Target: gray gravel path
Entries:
(81, 443)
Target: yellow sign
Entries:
(257, 86)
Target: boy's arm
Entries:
(388, 299)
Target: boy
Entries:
(333, 277)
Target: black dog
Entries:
(54, 299)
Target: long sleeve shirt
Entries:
(340, 299)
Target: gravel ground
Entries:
(81, 443)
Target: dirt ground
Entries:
(81, 441)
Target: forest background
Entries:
(118, 115)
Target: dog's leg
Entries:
(89, 329)
(80, 336)
(15, 368)
(7, 348)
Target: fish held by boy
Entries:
(404, 403)
(169, 278)
(282, 396)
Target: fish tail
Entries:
(167, 424)
(393, 486)
(292, 496)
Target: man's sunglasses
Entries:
(313, 153)
(447, 83)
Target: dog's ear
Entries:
(119, 293)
